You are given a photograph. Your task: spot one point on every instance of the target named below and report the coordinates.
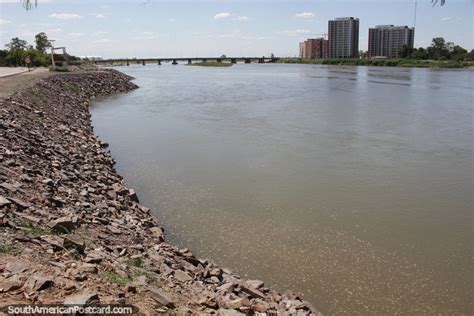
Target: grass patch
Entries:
(36, 231)
(135, 262)
(117, 278)
(59, 68)
(7, 248)
(136, 272)
(38, 97)
(72, 88)
(211, 64)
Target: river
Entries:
(349, 185)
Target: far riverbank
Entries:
(382, 62)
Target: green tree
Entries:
(3, 56)
(42, 42)
(458, 53)
(438, 49)
(14, 58)
(470, 56)
(37, 58)
(16, 43)
(406, 52)
(420, 53)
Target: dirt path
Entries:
(11, 84)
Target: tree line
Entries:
(439, 50)
(17, 52)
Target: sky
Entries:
(199, 28)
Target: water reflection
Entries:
(350, 185)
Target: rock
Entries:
(217, 272)
(114, 230)
(63, 225)
(182, 276)
(238, 303)
(208, 302)
(226, 287)
(10, 187)
(86, 298)
(11, 284)
(256, 284)
(4, 201)
(88, 268)
(21, 204)
(94, 256)
(74, 242)
(133, 195)
(15, 267)
(252, 292)
(140, 281)
(29, 218)
(38, 282)
(55, 241)
(161, 298)
(48, 181)
(260, 307)
(158, 233)
(228, 312)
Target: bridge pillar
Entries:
(143, 62)
(189, 62)
(174, 62)
(247, 61)
(233, 61)
(261, 60)
(159, 62)
(219, 60)
(128, 63)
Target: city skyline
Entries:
(212, 28)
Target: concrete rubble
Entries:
(72, 232)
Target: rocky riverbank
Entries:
(72, 232)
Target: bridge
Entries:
(188, 60)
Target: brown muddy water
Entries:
(350, 185)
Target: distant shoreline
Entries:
(407, 63)
(211, 64)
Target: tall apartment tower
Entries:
(388, 40)
(344, 38)
(302, 50)
(314, 48)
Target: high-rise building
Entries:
(314, 48)
(302, 50)
(388, 40)
(344, 38)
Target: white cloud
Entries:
(65, 16)
(99, 33)
(450, 19)
(295, 32)
(100, 16)
(171, 20)
(75, 34)
(241, 18)
(222, 15)
(305, 15)
(102, 40)
(2, 22)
